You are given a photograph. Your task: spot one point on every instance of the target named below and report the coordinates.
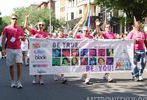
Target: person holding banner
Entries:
(106, 34)
(37, 33)
(65, 61)
(11, 45)
(139, 50)
(85, 35)
(96, 31)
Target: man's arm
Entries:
(26, 23)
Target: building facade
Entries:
(48, 4)
(72, 10)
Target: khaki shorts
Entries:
(13, 56)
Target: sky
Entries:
(7, 6)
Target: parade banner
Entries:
(55, 56)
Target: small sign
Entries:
(50, 28)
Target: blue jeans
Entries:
(139, 62)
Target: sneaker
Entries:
(133, 76)
(136, 79)
(13, 85)
(87, 81)
(41, 82)
(64, 81)
(110, 80)
(140, 78)
(56, 78)
(34, 82)
(19, 85)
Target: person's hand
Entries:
(3, 52)
(27, 16)
(98, 23)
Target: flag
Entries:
(88, 19)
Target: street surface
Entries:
(74, 90)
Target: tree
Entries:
(2, 23)
(37, 15)
(137, 8)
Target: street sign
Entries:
(50, 28)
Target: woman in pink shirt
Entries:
(107, 34)
(37, 33)
(61, 35)
(85, 35)
(139, 51)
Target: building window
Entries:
(80, 11)
(72, 15)
(71, 3)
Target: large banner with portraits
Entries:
(56, 56)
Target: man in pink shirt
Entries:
(11, 45)
(37, 33)
(139, 51)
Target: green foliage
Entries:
(137, 8)
(2, 24)
(35, 15)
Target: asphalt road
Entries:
(74, 90)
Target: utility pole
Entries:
(50, 16)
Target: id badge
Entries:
(13, 39)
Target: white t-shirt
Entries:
(24, 45)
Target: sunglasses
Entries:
(85, 30)
(41, 24)
(14, 18)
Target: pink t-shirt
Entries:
(13, 35)
(139, 45)
(109, 35)
(39, 34)
(79, 36)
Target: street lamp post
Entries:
(50, 15)
(125, 29)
